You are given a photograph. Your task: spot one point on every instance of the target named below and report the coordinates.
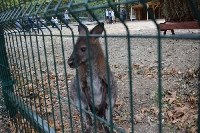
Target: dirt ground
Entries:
(177, 55)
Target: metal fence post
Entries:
(5, 76)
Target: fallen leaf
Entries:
(155, 111)
(168, 54)
(180, 111)
(150, 76)
(118, 103)
(143, 110)
(49, 52)
(191, 99)
(138, 118)
(164, 109)
(49, 110)
(170, 115)
(51, 123)
(171, 100)
(179, 72)
(76, 117)
(136, 66)
(190, 71)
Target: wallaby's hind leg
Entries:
(107, 115)
(105, 128)
(102, 126)
(86, 118)
(88, 122)
(84, 104)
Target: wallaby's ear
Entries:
(97, 29)
(81, 29)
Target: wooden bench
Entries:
(178, 25)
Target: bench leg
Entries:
(172, 31)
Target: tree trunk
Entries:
(127, 11)
(178, 10)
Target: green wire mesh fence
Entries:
(35, 72)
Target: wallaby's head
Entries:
(81, 49)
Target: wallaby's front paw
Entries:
(106, 129)
(100, 113)
(88, 131)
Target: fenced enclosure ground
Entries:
(153, 72)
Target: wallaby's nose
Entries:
(71, 63)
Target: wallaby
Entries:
(99, 77)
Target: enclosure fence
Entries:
(34, 73)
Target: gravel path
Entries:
(177, 54)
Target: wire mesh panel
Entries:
(4, 115)
(66, 66)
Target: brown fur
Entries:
(99, 78)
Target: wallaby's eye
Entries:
(83, 49)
